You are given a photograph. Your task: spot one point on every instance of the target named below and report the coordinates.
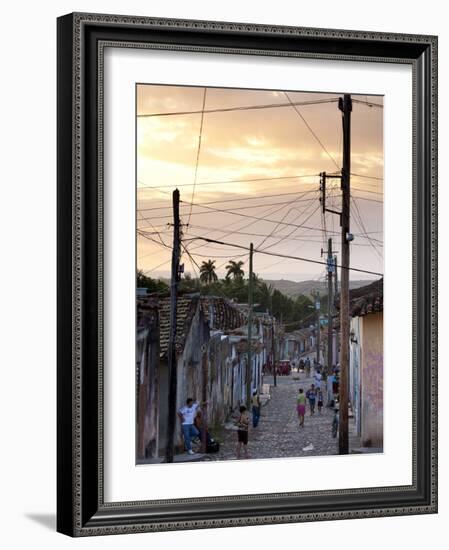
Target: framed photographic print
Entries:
(247, 291)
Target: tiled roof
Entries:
(187, 306)
(226, 316)
(366, 299)
(146, 310)
(242, 346)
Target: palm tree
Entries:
(265, 293)
(235, 270)
(207, 272)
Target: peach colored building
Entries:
(366, 362)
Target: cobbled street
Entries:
(278, 433)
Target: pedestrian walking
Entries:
(301, 407)
(307, 366)
(187, 416)
(255, 402)
(330, 389)
(318, 377)
(319, 398)
(311, 396)
(242, 432)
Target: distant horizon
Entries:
(316, 279)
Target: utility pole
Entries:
(345, 105)
(172, 374)
(281, 349)
(316, 295)
(205, 369)
(250, 325)
(335, 277)
(335, 297)
(273, 350)
(330, 269)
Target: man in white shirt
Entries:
(318, 377)
(187, 416)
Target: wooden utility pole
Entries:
(250, 325)
(316, 295)
(273, 350)
(330, 270)
(273, 343)
(335, 297)
(171, 351)
(345, 105)
(335, 277)
(205, 369)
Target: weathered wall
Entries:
(219, 379)
(372, 380)
(147, 356)
(190, 375)
(354, 370)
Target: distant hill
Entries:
(294, 289)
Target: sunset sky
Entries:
(262, 164)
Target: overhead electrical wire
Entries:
(284, 217)
(239, 199)
(242, 108)
(223, 182)
(198, 153)
(311, 130)
(309, 260)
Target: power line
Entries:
(367, 191)
(367, 177)
(257, 197)
(158, 266)
(206, 239)
(291, 232)
(222, 210)
(152, 226)
(366, 199)
(257, 218)
(361, 225)
(249, 180)
(243, 108)
(283, 237)
(368, 103)
(211, 256)
(198, 153)
(311, 131)
(192, 261)
(227, 233)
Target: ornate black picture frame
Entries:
(81, 510)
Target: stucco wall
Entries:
(372, 380)
(147, 356)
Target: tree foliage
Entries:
(153, 285)
(234, 270)
(207, 272)
(294, 312)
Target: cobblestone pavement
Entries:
(278, 433)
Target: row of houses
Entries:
(211, 354)
(298, 343)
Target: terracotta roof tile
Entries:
(223, 314)
(366, 299)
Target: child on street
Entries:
(311, 396)
(301, 407)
